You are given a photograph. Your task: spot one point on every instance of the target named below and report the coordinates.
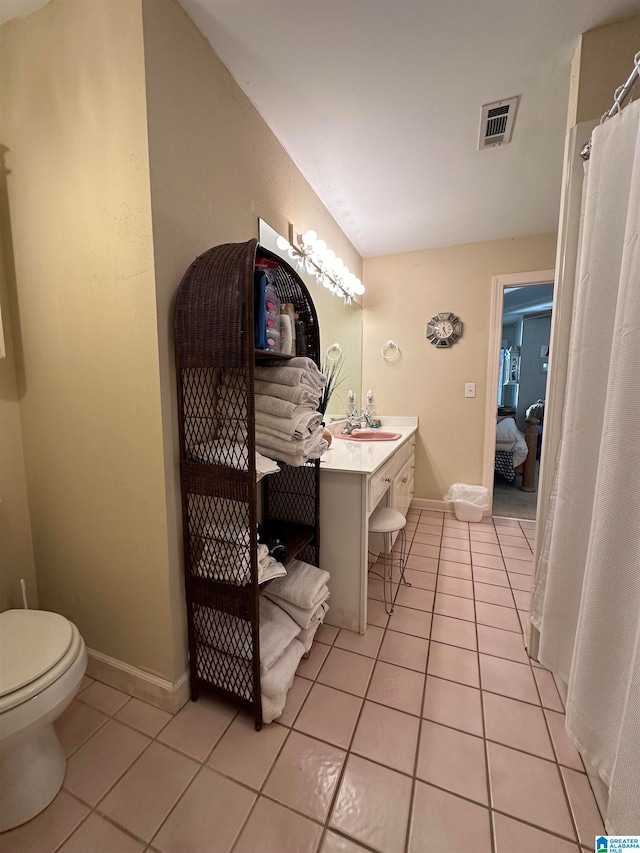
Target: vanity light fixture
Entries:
(314, 257)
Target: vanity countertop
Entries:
(365, 457)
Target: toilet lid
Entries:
(31, 643)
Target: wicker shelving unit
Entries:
(215, 364)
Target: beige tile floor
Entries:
(433, 731)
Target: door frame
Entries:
(498, 285)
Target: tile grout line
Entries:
(327, 822)
(325, 825)
(412, 798)
(548, 730)
(490, 803)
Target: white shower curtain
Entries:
(586, 593)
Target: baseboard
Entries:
(136, 682)
(437, 506)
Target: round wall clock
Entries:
(444, 329)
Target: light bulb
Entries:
(282, 243)
(309, 237)
(338, 266)
(319, 248)
(329, 258)
(358, 288)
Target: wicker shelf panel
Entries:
(215, 360)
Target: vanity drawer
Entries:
(380, 482)
(406, 451)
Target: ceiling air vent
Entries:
(496, 123)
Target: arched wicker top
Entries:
(214, 307)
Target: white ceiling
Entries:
(378, 102)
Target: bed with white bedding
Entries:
(511, 447)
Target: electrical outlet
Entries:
(470, 389)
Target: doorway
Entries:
(519, 351)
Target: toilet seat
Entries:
(37, 648)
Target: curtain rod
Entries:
(619, 98)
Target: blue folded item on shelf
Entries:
(259, 309)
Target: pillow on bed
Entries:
(506, 430)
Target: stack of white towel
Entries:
(301, 599)
(288, 425)
(291, 610)
(303, 594)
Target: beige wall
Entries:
(16, 547)
(403, 293)
(74, 121)
(603, 62)
(215, 168)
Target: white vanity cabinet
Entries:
(355, 477)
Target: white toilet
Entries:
(42, 661)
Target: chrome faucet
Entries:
(353, 422)
(368, 418)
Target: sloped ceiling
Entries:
(378, 102)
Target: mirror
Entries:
(339, 324)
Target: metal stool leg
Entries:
(403, 558)
(387, 541)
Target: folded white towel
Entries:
(227, 669)
(295, 461)
(301, 395)
(304, 617)
(275, 632)
(294, 446)
(226, 633)
(293, 376)
(271, 569)
(232, 455)
(309, 365)
(272, 708)
(303, 586)
(300, 426)
(283, 408)
(223, 632)
(306, 636)
(279, 677)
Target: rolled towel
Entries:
(309, 365)
(301, 395)
(276, 632)
(279, 677)
(230, 563)
(283, 408)
(290, 447)
(301, 425)
(293, 376)
(232, 455)
(304, 585)
(295, 461)
(304, 617)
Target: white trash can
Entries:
(469, 502)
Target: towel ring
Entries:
(334, 348)
(395, 351)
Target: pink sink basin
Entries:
(370, 435)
